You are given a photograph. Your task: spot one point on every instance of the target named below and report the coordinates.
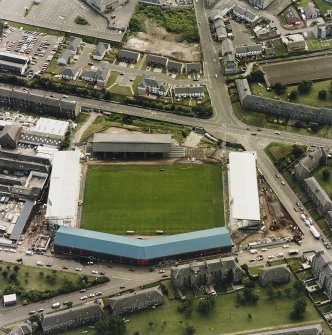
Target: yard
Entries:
(277, 151)
(326, 184)
(323, 5)
(138, 124)
(145, 198)
(34, 278)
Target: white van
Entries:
(56, 305)
(29, 253)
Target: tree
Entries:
(189, 330)
(279, 88)
(16, 268)
(270, 291)
(113, 325)
(151, 324)
(249, 316)
(293, 94)
(300, 306)
(257, 75)
(5, 274)
(298, 287)
(304, 86)
(298, 150)
(206, 305)
(326, 174)
(322, 94)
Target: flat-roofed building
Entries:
(243, 190)
(51, 126)
(13, 63)
(9, 299)
(63, 196)
(104, 144)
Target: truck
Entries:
(314, 232)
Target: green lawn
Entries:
(326, 184)
(178, 132)
(144, 198)
(323, 5)
(30, 278)
(277, 150)
(227, 316)
(310, 99)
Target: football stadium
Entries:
(152, 199)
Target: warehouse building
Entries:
(13, 63)
(9, 136)
(63, 196)
(243, 190)
(87, 244)
(131, 145)
(38, 104)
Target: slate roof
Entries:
(128, 54)
(188, 90)
(67, 315)
(64, 56)
(142, 249)
(23, 328)
(100, 49)
(96, 74)
(69, 72)
(301, 112)
(12, 131)
(301, 330)
(227, 47)
(74, 43)
(158, 60)
(307, 164)
(136, 298)
(319, 192)
(274, 273)
(194, 67)
(175, 66)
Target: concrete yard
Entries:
(294, 71)
(59, 15)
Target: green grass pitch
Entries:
(145, 198)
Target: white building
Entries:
(63, 196)
(51, 126)
(9, 299)
(243, 190)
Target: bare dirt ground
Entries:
(157, 40)
(276, 219)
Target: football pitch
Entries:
(145, 198)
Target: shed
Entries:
(9, 299)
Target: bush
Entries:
(81, 20)
(322, 94)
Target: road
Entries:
(223, 124)
(118, 275)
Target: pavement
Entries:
(223, 124)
